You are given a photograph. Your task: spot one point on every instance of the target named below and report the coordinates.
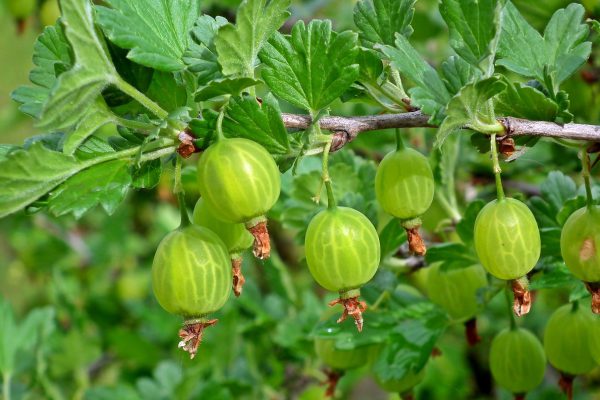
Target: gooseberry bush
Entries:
(352, 255)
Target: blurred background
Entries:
(78, 319)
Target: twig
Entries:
(346, 129)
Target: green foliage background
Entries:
(78, 319)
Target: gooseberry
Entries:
(191, 277)
(342, 253)
(240, 182)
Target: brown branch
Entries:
(346, 129)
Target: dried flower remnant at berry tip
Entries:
(471, 332)
(262, 242)
(333, 377)
(352, 307)
(191, 334)
(415, 242)
(594, 289)
(522, 297)
(238, 276)
(566, 384)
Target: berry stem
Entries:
(399, 142)
(575, 306)
(326, 179)
(141, 98)
(6, 378)
(219, 129)
(509, 304)
(497, 169)
(179, 192)
(585, 172)
(381, 299)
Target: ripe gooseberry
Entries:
(342, 253)
(455, 288)
(404, 188)
(21, 9)
(240, 181)
(579, 242)
(402, 386)
(340, 360)
(595, 340)
(507, 238)
(191, 277)
(517, 360)
(235, 236)
(49, 12)
(567, 339)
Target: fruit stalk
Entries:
(585, 172)
(178, 190)
(497, 169)
(399, 142)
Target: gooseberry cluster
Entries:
(196, 266)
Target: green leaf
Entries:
(522, 101)
(370, 64)
(147, 176)
(247, 118)
(16, 337)
(430, 93)
(379, 20)
(412, 341)
(51, 53)
(300, 68)
(557, 189)
(201, 55)
(472, 25)
(221, 87)
(458, 73)
(466, 227)
(105, 184)
(554, 276)
(471, 109)
(28, 175)
(98, 116)
(239, 45)
(392, 236)
(560, 52)
(451, 253)
(167, 91)
(156, 31)
(77, 89)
